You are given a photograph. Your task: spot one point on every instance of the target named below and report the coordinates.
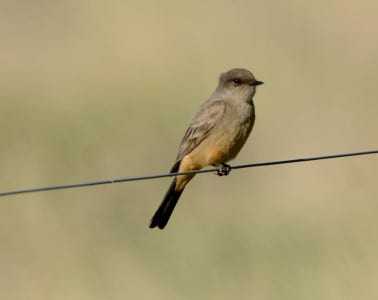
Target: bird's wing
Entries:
(201, 126)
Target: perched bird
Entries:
(215, 135)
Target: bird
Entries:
(215, 135)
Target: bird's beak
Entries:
(257, 82)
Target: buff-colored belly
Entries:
(224, 143)
(218, 149)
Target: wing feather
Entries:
(201, 126)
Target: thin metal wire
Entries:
(252, 165)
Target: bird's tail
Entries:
(164, 212)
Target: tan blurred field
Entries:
(91, 90)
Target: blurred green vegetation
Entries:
(92, 90)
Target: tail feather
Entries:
(164, 212)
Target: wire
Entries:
(252, 165)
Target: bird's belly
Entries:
(225, 149)
(225, 142)
(226, 145)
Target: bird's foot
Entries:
(223, 170)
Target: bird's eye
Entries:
(237, 80)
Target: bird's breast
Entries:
(230, 135)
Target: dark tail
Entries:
(164, 212)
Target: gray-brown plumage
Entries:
(215, 135)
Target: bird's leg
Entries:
(223, 169)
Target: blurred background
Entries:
(92, 90)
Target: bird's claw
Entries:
(223, 170)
